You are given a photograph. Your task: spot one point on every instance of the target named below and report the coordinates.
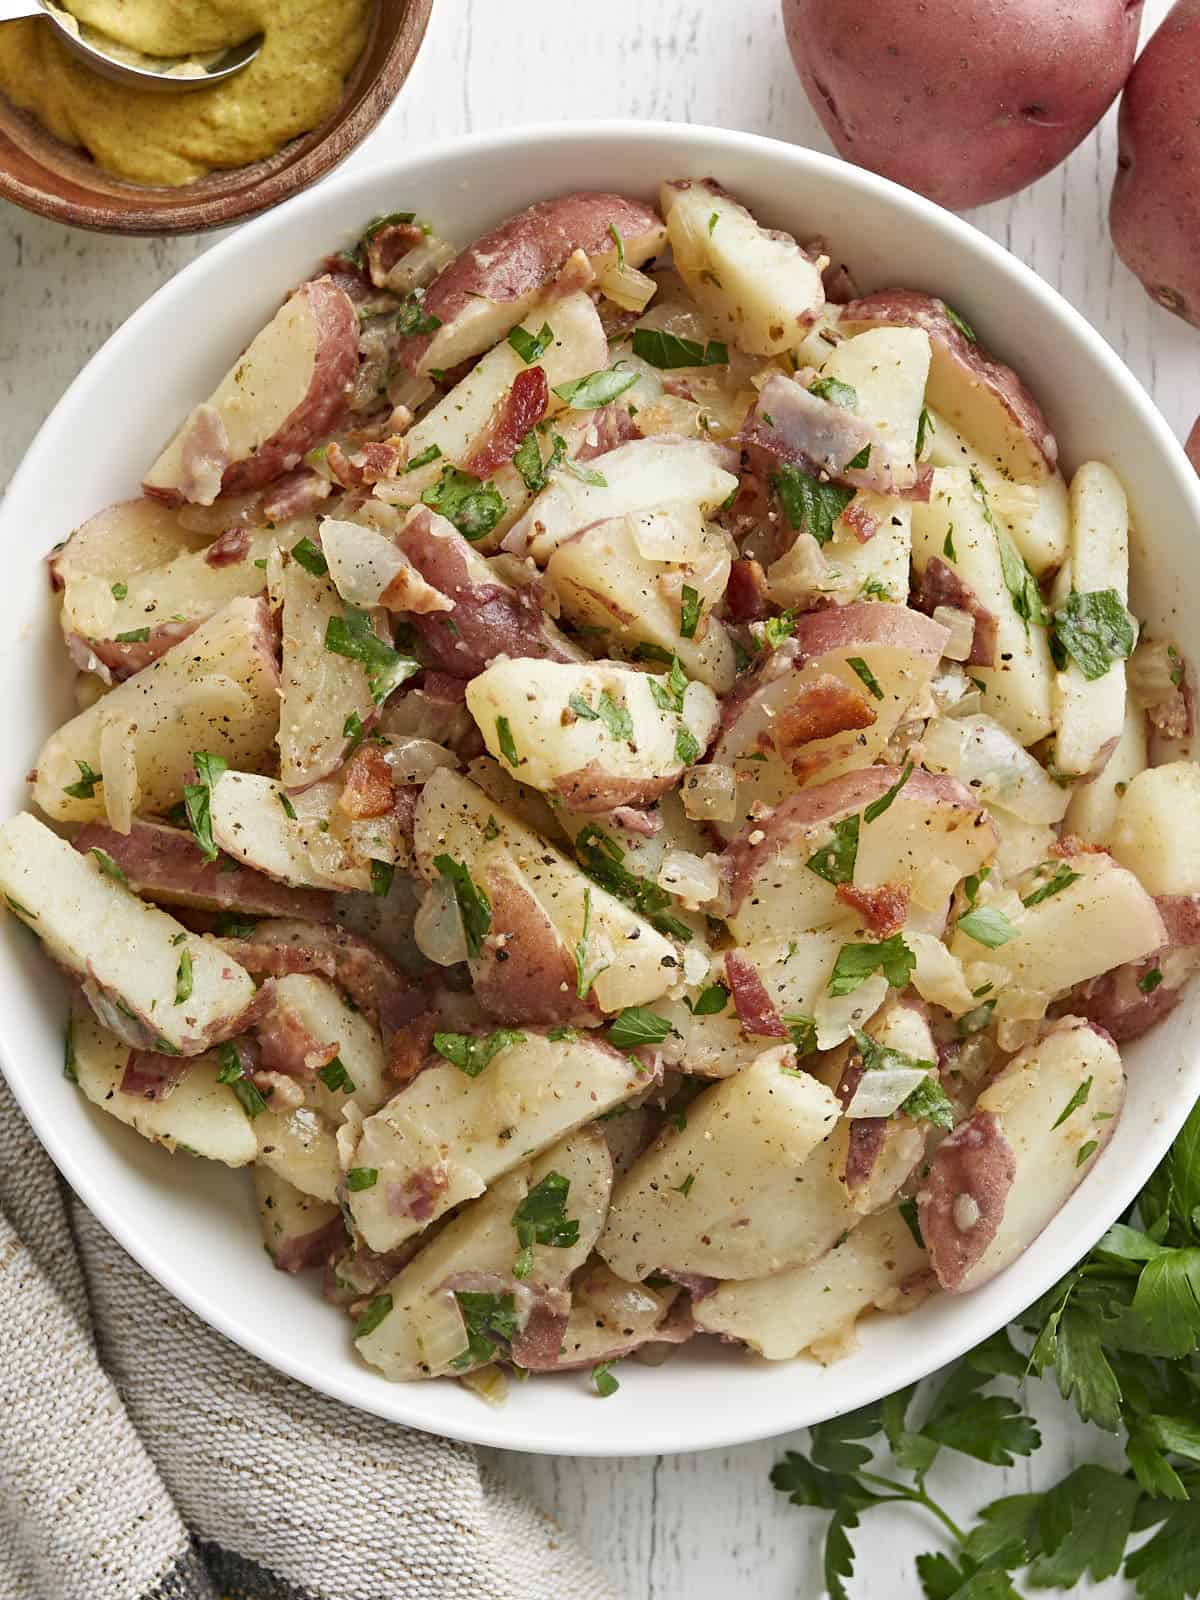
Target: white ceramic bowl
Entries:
(192, 1224)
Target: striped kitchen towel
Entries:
(144, 1457)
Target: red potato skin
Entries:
(525, 974)
(524, 253)
(1154, 216)
(316, 411)
(965, 101)
(975, 1161)
(907, 308)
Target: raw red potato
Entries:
(1100, 919)
(595, 735)
(280, 398)
(446, 1136)
(217, 691)
(168, 865)
(1036, 1130)
(981, 397)
(199, 1114)
(489, 287)
(298, 1230)
(811, 713)
(965, 105)
(931, 836)
(424, 1333)
(815, 1308)
(133, 959)
(487, 617)
(759, 288)
(1154, 215)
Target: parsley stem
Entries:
(917, 1497)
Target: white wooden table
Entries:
(698, 1526)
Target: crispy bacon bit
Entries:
(883, 910)
(313, 1249)
(380, 459)
(387, 246)
(862, 523)
(229, 548)
(417, 1196)
(376, 985)
(151, 1076)
(340, 464)
(524, 405)
(610, 426)
(753, 1004)
(409, 1046)
(746, 592)
(823, 707)
(409, 591)
(1070, 844)
(295, 494)
(941, 586)
(367, 791)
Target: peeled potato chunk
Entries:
(1157, 828)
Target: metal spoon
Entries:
(151, 76)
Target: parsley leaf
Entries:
(602, 858)
(635, 1026)
(690, 610)
(1073, 1104)
(183, 978)
(665, 350)
(359, 1178)
(585, 974)
(862, 671)
(529, 346)
(924, 428)
(808, 503)
(491, 1326)
(85, 789)
(373, 1315)
(877, 807)
(688, 749)
(987, 926)
(541, 1218)
(711, 1001)
(108, 867)
(1095, 629)
(504, 738)
(963, 326)
(836, 392)
(352, 635)
(1018, 580)
(309, 556)
(835, 861)
(1062, 879)
(857, 962)
(470, 1053)
(474, 907)
(597, 389)
(474, 507)
(197, 800)
(603, 1381)
(929, 1102)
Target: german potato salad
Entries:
(616, 774)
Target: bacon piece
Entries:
(941, 586)
(409, 1046)
(287, 1046)
(821, 439)
(754, 1006)
(388, 245)
(305, 1250)
(228, 548)
(862, 523)
(151, 1076)
(488, 618)
(409, 591)
(367, 791)
(340, 464)
(380, 459)
(168, 865)
(1070, 844)
(295, 494)
(204, 455)
(823, 707)
(976, 1162)
(521, 407)
(883, 910)
(610, 426)
(376, 985)
(417, 1196)
(404, 807)
(746, 592)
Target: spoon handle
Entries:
(10, 10)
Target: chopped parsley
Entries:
(859, 462)
(877, 807)
(924, 428)
(987, 926)
(541, 1218)
(491, 1325)
(602, 859)
(835, 861)
(711, 1001)
(470, 1053)
(929, 1102)
(665, 350)
(427, 457)
(382, 874)
(668, 691)
(836, 392)
(85, 789)
(474, 907)
(690, 609)
(803, 1033)
(948, 550)
(232, 1072)
(527, 459)
(1149, 981)
(602, 1377)
(353, 635)
(1087, 1150)
(684, 1188)
(183, 978)
(1078, 1099)
(134, 636)
(688, 749)
(1063, 878)
(334, 1076)
(1021, 584)
(961, 323)
(373, 1315)
(597, 389)
(777, 629)
(857, 962)
(359, 1178)
(529, 346)
(119, 591)
(808, 503)
(635, 1026)
(289, 809)
(310, 557)
(474, 507)
(1094, 630)
(108, 866)
(504, 738)
(585, 977)
(862, 671)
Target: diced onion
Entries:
(1017, 1033)
(437, 927)
(670, 533)
(694, 879)
(985, 756)
(885, 1090)
(799, 574)
(836, 1015)
(441, 1334)
(414, 760)
(489, 1383)
(697, 963)
(1152, 672)
(420, 265)
(710, 794)
(962, 631)
(406, 390)
(938, 975)
(362, 563)
(627, 287)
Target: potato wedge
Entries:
(311, 1021)
(446, 1136)
(456, 819)
(827, 700)
(1033, 1137)
(983, 754)
(299, 1146)
(281, 396)
(1094, 807)
(815, 1308)
(1089, 713)
(217, 691)
(683, 1205)
(133, 959)
(758, 286)
(610, 1318)
(251, 823)
(596, 735)
(1157, 829)
(123, 540)
(299, 1230)
(199, 1114)
(956, 525)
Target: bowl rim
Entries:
(282, 180)
(727, 1428)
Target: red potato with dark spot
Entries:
(487, 290)
(965, 102)
(282, 396)
(1035, 1133)
(1155, 212)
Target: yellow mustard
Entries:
(294, 83)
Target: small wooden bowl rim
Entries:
(226, 196)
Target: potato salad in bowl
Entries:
(616, 774)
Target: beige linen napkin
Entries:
(144, 1457)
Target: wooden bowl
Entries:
(56, 180)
